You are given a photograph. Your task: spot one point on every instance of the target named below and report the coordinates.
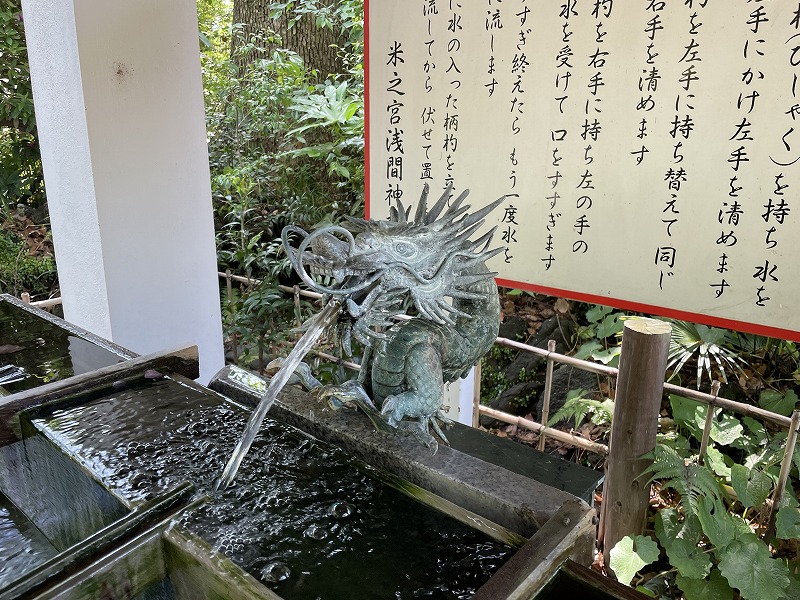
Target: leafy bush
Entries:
(21, 179)
(710, 536)
(282, 149)
(20, 271)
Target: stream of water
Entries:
(276, 384)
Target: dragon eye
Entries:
(404, 249)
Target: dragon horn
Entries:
(401, 212)
(453, 210)
(440, 204)
(487, 255)
(463, 235)
(477, 216)
(422, 207)
(484, 240)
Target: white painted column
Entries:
(459, 396)
(119, 110)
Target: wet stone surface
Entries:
(43, 350)
(301, 516)
(22, 546)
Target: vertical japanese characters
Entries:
(648, 150)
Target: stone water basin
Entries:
(106, 492)
(303, 518)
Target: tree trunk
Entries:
(317, 46)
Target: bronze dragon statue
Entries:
(376, 271)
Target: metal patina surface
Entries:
(426, 265)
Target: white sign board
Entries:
(649, 151)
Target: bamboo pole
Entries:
(548, 388)
(476, 397)
(707, 426)
(229, 287)
(640, 385)
(786, 465)
(556, 434)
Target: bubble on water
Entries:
(275, 571)
(341, 509)
(315, 532)
(139, 480)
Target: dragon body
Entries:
(417, 357)
(427, 265)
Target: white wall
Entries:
(118, 94)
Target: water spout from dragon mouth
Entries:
(315, 330)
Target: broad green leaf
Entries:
(714, 588)
(752, 486)
(611, 325)
(783, 404)
(787, 523)
(597, 312)
(686, 412)
(630, 555)
(716, 460)
(587, 349)
(718, 525)
(757, 429)
(748, 566)
(606, 356)
(680, 540)
(726, 429)
(667, 525)
(793, 591)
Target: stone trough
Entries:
(107, 468)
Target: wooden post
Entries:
(640, 385)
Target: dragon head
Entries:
(356, 257)
(375, 264)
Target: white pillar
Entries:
(119, 110)
(459, 396)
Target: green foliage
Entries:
(600, 338)
(21, 179)
(22, 272)
(339, 110)
(630, 555)
(681, 540)
(260, 321)
(782, 403)
(691, 415)
(752, 486)
(778, 360)
(787, 523)
(706, 345)
(494, 380)
(690, 480)
(579, 404)
(16, 111)
(714, 550)
(282, 149)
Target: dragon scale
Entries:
(400, 361)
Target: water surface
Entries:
(301, 516)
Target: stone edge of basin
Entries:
(85, 334)
(517, 502)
